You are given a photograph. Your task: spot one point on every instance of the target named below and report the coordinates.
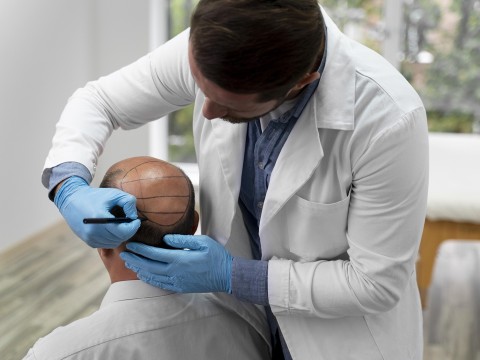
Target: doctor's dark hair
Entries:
(149, 232)
(257, 46)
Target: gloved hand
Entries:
(76, 200)
(205, 267)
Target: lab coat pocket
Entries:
(317, 231)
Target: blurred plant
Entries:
(455, 122)
(359, 19)
(420, 17)
(370, 6)
(181, 146)
(453, 79)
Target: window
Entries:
(436, 45)
(438, 51)
(442, 61)
(180, 140)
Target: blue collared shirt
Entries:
(250, 277)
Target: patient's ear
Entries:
(195, 222)
(105, 254)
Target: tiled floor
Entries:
(54, 278)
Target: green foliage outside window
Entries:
(452, 88)
(454, 122)
(181, 147)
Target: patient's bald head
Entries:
(165, 197)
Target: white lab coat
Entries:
(352, 177)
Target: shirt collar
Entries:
(333, 103)
(129, 290)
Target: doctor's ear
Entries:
(307, 79)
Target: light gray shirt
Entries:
(138, 321)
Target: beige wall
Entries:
(48, 49)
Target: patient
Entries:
(138, 321)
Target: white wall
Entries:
(48, 49)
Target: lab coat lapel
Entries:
(220, 162)
(296, 163)
(303, 151)
(230, 144)
(339, 75)
(230, 147)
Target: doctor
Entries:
(313, 158)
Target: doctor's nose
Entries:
(212, 110)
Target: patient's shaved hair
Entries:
(165, 197)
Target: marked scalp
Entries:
(161, 189)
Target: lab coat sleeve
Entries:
(385, 222)
(146, 90)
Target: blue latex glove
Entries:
(205, 267)
(76, 200)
